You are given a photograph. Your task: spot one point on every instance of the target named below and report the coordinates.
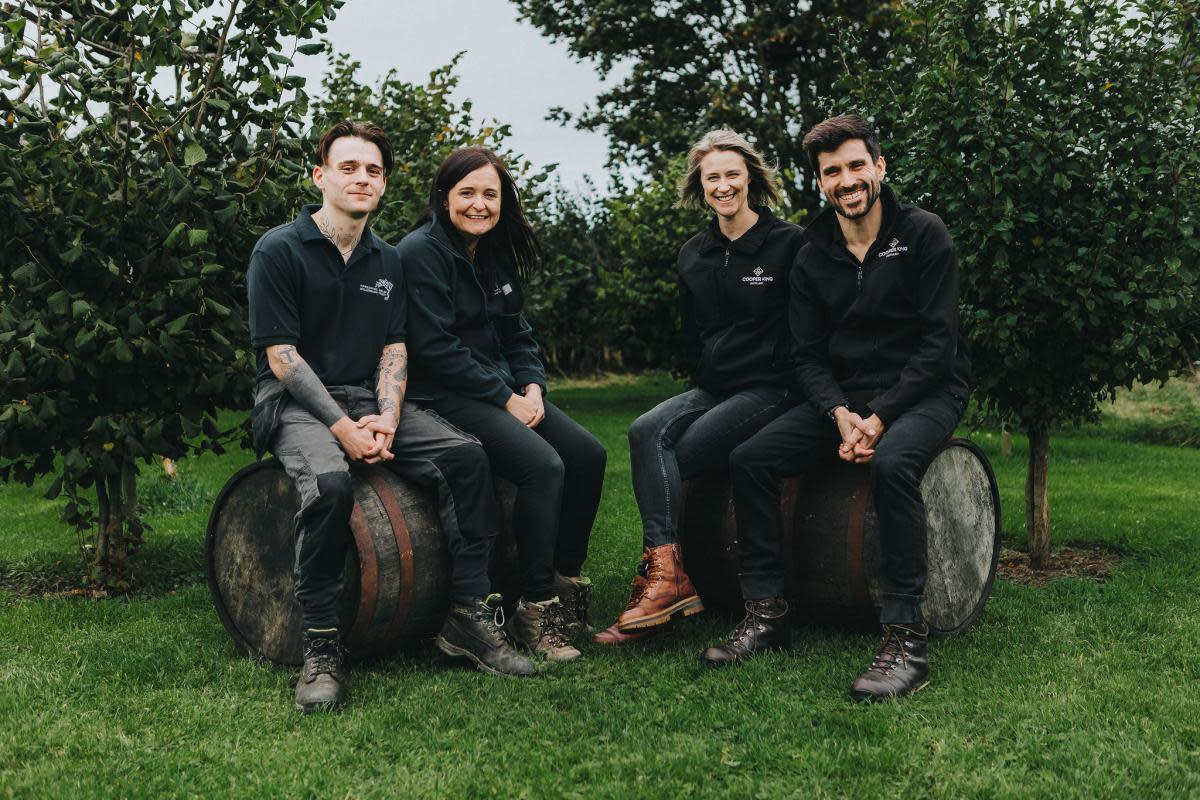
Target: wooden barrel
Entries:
(397, 580)
(832, 540)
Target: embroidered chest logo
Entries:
(894, 249)
(505, 289)
(382, 287)
(757, 277)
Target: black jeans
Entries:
(558, 468)
(804, 438)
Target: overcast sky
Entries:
(509, 71)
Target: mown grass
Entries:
(1077, 689)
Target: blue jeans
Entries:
(688, 435)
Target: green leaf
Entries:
(197, 237)
(194, 154)
(80, 308)
(311, 49)
(121, 351)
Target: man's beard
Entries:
(872, 190)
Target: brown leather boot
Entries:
(612, 635)
(669, 592)
(901, 665)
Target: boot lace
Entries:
(744, 629)
(891, 653)
(636, 589)
(554, 625)
(324, 657)
(493, 622)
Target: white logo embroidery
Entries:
(757, 278)
(382, 287)
(894, 249)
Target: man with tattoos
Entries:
(327, 319)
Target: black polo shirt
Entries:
(340, 315)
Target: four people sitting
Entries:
(841, 341)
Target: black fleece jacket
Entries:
(733, 303)
(467, 334)
(882, 333)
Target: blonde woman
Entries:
(733, 284)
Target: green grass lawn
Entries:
(1076, 689)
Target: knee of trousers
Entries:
(545, 471)
(747, 458)
(644, 432)
(335, 496)
(465, 464)
(894, 469)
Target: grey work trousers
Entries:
(428, 451)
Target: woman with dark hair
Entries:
(733, 284)
(474, 362)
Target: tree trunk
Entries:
(119, 528)
(1037, 504)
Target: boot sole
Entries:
(867, 697)
(457, 652)
(312, 708)
(688, 607)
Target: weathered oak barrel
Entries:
(397, 577)
(832, 540)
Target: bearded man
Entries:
(877, 349)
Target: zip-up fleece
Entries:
(733, 302)
(883, 332)
(466, 337)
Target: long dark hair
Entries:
(513, 237)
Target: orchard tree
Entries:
(1058, 141)
(763, 68)
(140, 146)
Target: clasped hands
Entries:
(859, 436)
(527, 407)
(369, 439)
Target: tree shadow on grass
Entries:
(161, 565)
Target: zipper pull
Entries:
(859, 277)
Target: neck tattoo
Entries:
(345, 242)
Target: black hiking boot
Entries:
(765, 627)
(901, 665)
(476, 632)
(322, 683)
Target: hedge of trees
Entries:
(143, 149)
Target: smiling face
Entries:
(850, 179)
(474, 202)
(353, 179)
(726, 183)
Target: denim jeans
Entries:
(691, 434)
(805, 438)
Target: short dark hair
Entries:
(827, 136)
(359, 130)
(513, 237)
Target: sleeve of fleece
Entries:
(273, 305)
(937, 310)
(809, 322)
(687, 327)
(431, 336)
(522, 353)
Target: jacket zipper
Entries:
(721, 275)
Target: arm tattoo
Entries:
(305, 387)
(391, 380)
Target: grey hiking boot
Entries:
(322, 683)
(575, 594)
(476, 632)
(765, 627)
(542, 628)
